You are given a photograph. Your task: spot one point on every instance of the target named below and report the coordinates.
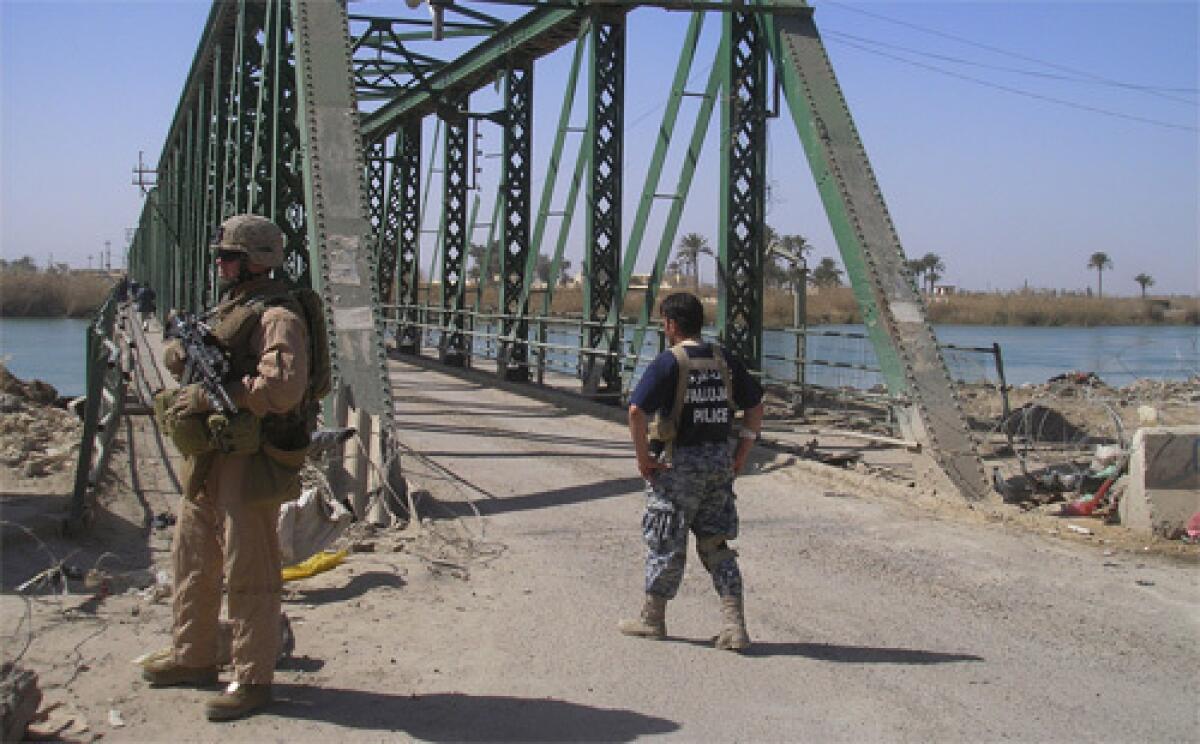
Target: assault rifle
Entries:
(207, 364)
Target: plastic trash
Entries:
(319, 563)
(1081, 507)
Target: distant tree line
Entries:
(27, 291)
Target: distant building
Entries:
(641, 281)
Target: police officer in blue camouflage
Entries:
(681, 421)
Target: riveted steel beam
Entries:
(533, 35)
(606, 132)
(513, 356)
(453, 348)
(893, 311)
(743, 186)
(339, 231)
(406, 189)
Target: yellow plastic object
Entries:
(313, 565)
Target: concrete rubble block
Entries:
(1164, 480)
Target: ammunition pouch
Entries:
(662, 429)
(199, 433)
(235, 435)
(189, 433)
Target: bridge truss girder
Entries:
(236, 144)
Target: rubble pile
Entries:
(1155, 391)
(38, 438)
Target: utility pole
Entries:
(108, 255)
(129, 233)
(142, 174)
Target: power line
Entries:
(1002, 68)
(1020, 92)
(1161, 92)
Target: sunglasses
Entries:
(228, 256)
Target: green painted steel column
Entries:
(408, 165)
(388, 251)
(893, 311)
(606, 126)
(743, 185)
(512, 357)
(453, 346)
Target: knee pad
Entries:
(714, 551)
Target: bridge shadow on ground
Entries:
(116, 539)
(546, 499)
(441, 427)
(844, 654)
(457, 717)
(33, 541)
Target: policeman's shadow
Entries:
(446, 716)
(843, 654)
(300, 664)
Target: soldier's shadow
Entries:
(447, 716)
(843, 654)
(359, 585)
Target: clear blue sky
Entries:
(1013, 139)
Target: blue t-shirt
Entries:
(702, 419)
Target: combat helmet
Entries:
(258, 237)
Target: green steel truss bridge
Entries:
(314, 115)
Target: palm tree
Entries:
(688, 252)
(1100, 261)
(933, 266)
(827, 274)
(917, 267)
(1146, 281)
(791, 250)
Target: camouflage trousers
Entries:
(695, 495)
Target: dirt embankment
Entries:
(39, 437)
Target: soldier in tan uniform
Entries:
(227, 526)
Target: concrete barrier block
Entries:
(1164, 480)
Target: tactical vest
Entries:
(702, 410)
(272, 472)
(234, 321)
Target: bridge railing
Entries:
(555, 343)
(802, 363)
(108, 366)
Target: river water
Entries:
(52, 349)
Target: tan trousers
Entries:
(218, 516)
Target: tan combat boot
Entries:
(162, 670)
(733, 635)
(237, 701)
(653, 620)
